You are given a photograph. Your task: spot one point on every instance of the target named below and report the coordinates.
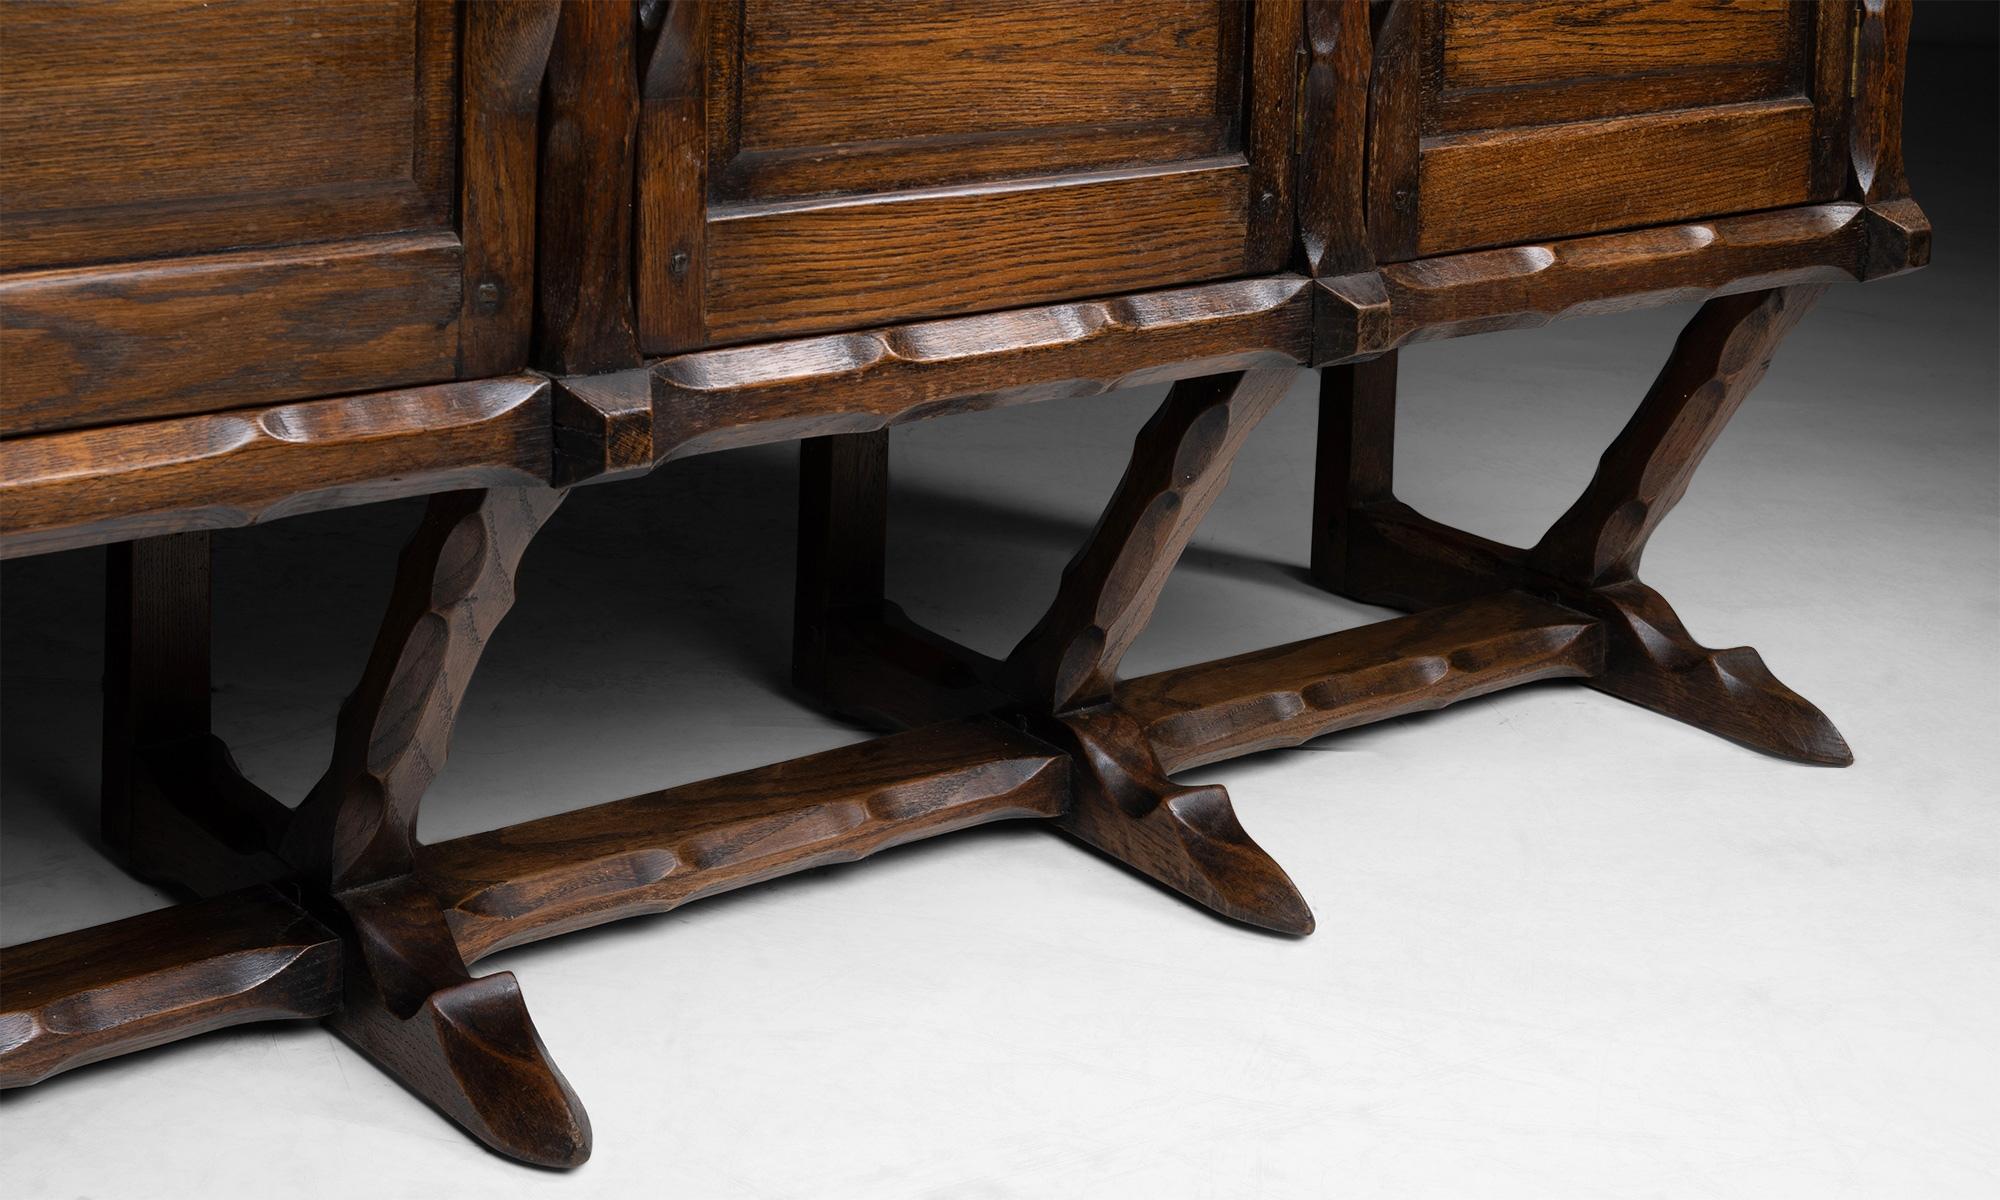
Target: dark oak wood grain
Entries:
(1560, 41)
(798, 269)
(1507, 185)
(159, 977)
(1288, 695)
(1185, 837)
(603, 426)
(454, 582)
(131, 341)
(854, 383)
(258, 260)
(152, 128)
(584, 317)
(1333, 196)
(1069, 151)
(1875, 134)
(973, 68)
(82, 487)
(1520, 287)
(1179, 466)
(1386, 553)
(466, 1045)
(672, 168)
(1830, 63)
(1552, 119)
(1274, 51)
(1395, 116)
(212, 206)
(651, 853)
(1721, 355)
(506, 49)
(1548, 62)
(864, 657)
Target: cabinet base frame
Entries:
(348, 919)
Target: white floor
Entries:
(1566, 948)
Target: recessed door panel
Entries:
(812, 167)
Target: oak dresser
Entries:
(258, 259)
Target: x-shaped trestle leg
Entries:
(863, 656)
(336, 911)
(348, 853)
(1370, 546)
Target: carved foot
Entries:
(1653, 661)
(861, 654)
(1187, 838)
(1370, 546)
(406, 999)
(466, 1045)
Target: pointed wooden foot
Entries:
(1123, 803)
(1374, 548)
(1187, 838)
(1597, 544)
(466, 1045)
(862, 654)
(1656, 663)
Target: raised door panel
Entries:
(139, 129)
(1554, 118)
(209, 205)
(813, 167)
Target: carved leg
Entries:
(862, 654)
(1377, 549)
(1123, 804)
(1179, 466)
(467, 1045)
(1719, 357)
(1597, 544)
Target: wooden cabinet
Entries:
(1553, 118)
(267, 256)
(209, 205)
(807, 167)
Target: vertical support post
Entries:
(1356, 458)
(156, 659)
(843, 541)
(584, 322)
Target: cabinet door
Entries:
(806, 167)
(1551, 118)
(205, 205)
